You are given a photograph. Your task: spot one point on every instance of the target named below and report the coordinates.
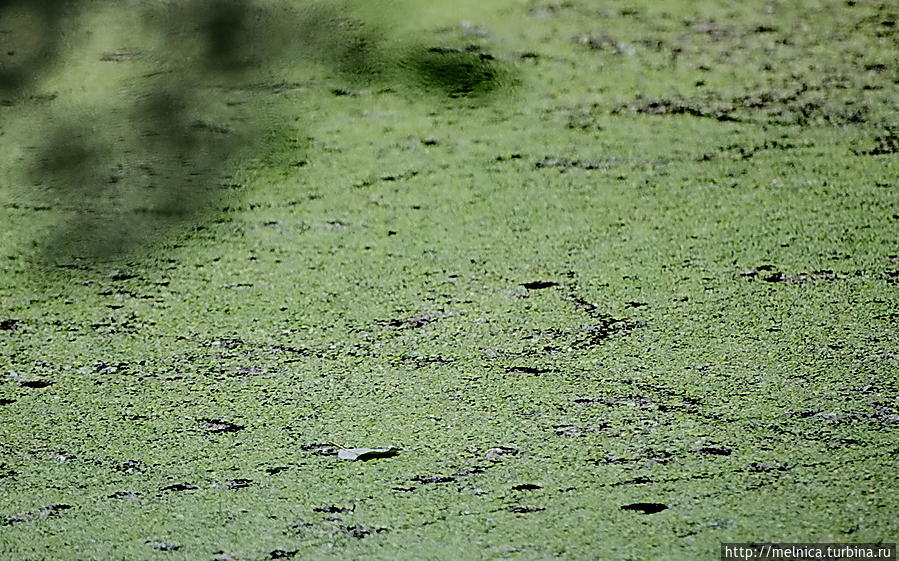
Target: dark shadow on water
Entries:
(157, 155)
(30, 40)
(228, 32)
(457, 72)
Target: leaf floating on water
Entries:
(365, 454)
(500, 453)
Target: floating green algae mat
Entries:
(590, 280)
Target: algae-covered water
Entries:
(617, 279)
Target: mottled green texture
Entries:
(704, 194)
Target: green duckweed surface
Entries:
(619, 279)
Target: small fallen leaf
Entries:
(500, 453)
(364, 454)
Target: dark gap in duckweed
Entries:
(332, 509)
(752, 467)
(217, 426)
(714, 451)
(48, 511)
(36, 384)
(163, 546)
(768, 273)
(390, 177)
(640, 480)
(129, 496)
(527, 370)
(130, 466)
(625, 400)
(606, 327)
(781, 107)
(414, 322)
(746, 151)
(563, 163)
(526, 509)
(887, 144)
(422, 361)
(179, 487)
(474, 470)
(539, 285)
(357, 531)
(430, 479)
(527, 487)
(282, 554)
(9, 324)
(333, 527)
(645, 508)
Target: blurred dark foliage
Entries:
(18, 69)
(128, 175)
